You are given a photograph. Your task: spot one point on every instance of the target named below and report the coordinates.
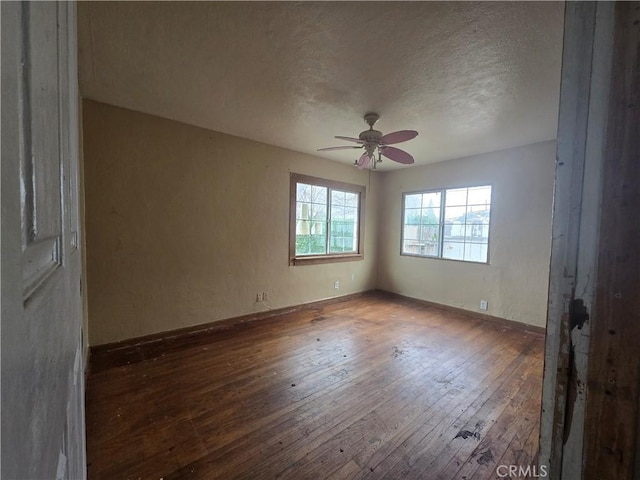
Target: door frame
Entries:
(596, 178)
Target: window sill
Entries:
(314, 260)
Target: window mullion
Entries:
(328, 229)
(442, 207)
(464, 230)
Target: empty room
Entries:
(352, 340)
(318, 240)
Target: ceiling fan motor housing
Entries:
(371, 137)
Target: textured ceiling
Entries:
(470, 77)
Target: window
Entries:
(326, 221)
(451, 223)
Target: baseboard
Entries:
(502, 322)
(137, 349)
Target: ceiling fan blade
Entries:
(397, 155)
(363, 161)
(350, 139)
(345, 147)
(398, 137)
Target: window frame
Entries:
(441, 224)
(313, 259)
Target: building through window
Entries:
(448, 223)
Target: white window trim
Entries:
(442, 192)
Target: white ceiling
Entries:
(470, 77)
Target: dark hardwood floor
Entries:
(369, 388)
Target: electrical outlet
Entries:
(336, 285)
(258, 297)
(484, 305)
(264, 296)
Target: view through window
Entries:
(448, 223)
(327, 218)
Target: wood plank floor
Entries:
(368, 388)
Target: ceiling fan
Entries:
(374, 142)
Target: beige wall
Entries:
(515, 282)
(184, 225)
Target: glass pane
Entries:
(431, 200)
(317, 244)
(318, 212)
(420, 247)
(337, 198)
(477, 233)
(350, 229)
(429, 249)
(303, 211)
(478, 214)
(351, 199)
(431, 216)
(453, 250)
(454, 231)
(337, 245)
(479, 208)
(411, 232)
(475, 252)
(337, 213)
(302, 244)
(303, 192)
(350, 244)
(351, 214)
(413, 201)
(303, 227)
(411, 246)
(319, 194)
(479, 196)
(429, 244)
(456, 196)
(336, 228)
(421, 229)
(412, 216)
(455, 215)
(317, 228)
(429, 233)
(314, 204)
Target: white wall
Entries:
(516, 280)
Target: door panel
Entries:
(42, 370)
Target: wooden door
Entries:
(42, 347)
(591, 389)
